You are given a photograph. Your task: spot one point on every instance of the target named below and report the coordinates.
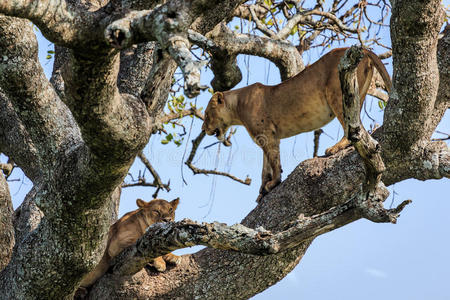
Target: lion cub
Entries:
(128, 229)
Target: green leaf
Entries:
(294, 30)
(164, 142)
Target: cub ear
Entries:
(140, 203)
(175, 202)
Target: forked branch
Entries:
(195, 143)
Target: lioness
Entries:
(305, 102)
(128, 229)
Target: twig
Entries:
(442, 139)
(317, 134)
(142, 182)
(184, 113)
(195, 143)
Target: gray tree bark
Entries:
(77, 135)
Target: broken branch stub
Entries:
(367, 147)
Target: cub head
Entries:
(215, 117)
(158, 210)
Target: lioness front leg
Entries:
(342, 144)
(272, 152)
(266, 175)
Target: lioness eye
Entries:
(157, 213)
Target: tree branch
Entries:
(157, 182)
(195, 143)
(162, 238)
(6, 223)
(366, 146)
(184, 113)
(283, 54)
(166, 24)
(63, 23)
(45, 119)
(416, 77)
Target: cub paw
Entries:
(172, 258)
(159, 264)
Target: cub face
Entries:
(215, 113)
(158, 210)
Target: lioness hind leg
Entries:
(172, 258)
(266, 175)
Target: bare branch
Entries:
(156, 179)
(262, 27)
(195, 143)
(305, 18)
(184, 113)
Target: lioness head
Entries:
(158, 210)
(215, 114)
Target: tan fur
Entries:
(305, 102)
(128, 229)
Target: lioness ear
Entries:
(219, 97)
(140, 203)
(175, 202)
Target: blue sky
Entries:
(362, 260)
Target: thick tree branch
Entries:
(406, 131)
(61, 22)
(113, 126)
(416, 78)
(16, 142)
(45, 118)
(166, 24)
(283, 54)
(6, 223)
(157, 87)
(135, 65)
